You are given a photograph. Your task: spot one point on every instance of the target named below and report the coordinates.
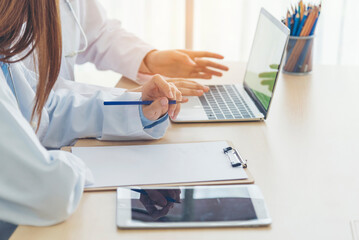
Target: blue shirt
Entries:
(41, 187)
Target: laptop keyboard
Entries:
(225, 102)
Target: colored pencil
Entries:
(296, 24)
(289, 20)
(301, 25)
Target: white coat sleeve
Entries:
(37, 187)
(110, 47)
(73, 116)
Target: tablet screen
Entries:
(192, 205)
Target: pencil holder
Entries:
(299, 55)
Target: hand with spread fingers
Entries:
(189, 87)
(185, 86)
(183, 64)
(160, 91)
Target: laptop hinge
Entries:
(255, 100)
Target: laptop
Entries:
(251, 99)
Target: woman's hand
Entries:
(189, 87)
(160, 91)
(184, 64)
(186, 87)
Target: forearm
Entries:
(87, 117)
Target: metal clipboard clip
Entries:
(234, 157)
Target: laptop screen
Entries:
(264, 62)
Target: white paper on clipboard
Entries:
(158, 164)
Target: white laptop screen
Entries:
(265, 58)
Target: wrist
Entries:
(138, 89)
(148, 61)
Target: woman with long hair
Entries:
(40, 186)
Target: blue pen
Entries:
(109, 103)
(145, 193)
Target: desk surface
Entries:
(304, 158)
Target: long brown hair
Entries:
(28, 26)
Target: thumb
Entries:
(156, 109)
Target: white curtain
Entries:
(227, 26)
(338, 33)
(159, 22)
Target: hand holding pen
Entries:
(160, 91)
(158, 97)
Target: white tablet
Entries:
(185, 207)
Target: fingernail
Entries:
(164, 102)
(200, 92)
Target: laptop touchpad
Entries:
(192, 110)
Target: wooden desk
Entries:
(304, 158)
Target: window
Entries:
(227, 26)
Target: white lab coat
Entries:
(41, 187)
(110, 47)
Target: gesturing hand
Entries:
(159, 91)
(184, 64)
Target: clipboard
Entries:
(232, 156)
